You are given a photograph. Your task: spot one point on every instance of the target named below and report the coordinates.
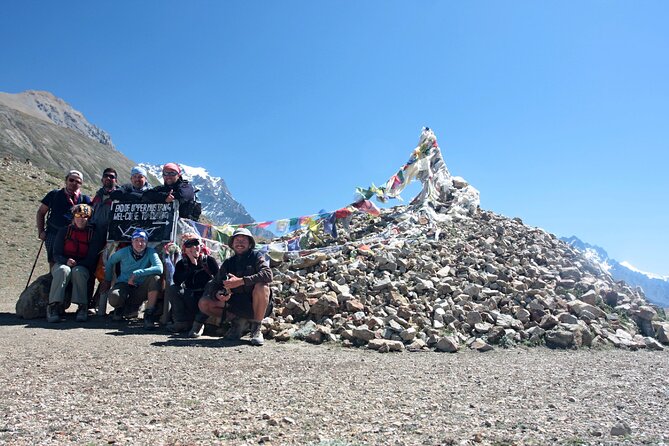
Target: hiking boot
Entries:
(53, 312)
(82, 313)
(256, 334)
(150, 319)
(178, 327)
(117, 315)
(197, 330)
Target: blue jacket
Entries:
(148, 265)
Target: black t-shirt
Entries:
(61, 204)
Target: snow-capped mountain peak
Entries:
(629, 266)
(217, 201)
(655, 287)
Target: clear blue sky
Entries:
(557, 111)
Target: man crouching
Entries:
(240, 291)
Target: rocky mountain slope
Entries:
(655, 288)
(42, 128)
(49, 108)
(50, 133)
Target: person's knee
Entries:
(261, 291)
(80, 273)
(207, 306)
(153, 283)
(116, 298)
(60, 270)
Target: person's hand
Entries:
(223, 295)
(169, 198)
(233, 282)
(42, 236)
(131, 280)
(71, 263)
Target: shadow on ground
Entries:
(132, 327)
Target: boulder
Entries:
(327, 305)
(448, 344)
(33, 300)
(385, 345)
(582, 309)
(559, 339)
(308, 261)
(647, 313)
(661, 331)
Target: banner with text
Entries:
(157, 219)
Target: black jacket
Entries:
(251, 266)
(183, 192)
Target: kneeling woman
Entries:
(138, 281)
(191, 274)
(75, 252)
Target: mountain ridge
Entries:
(655, 287)
(38, 127)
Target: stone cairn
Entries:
(402, 281)
(441, 274)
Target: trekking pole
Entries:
(34, 264)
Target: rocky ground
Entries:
(111, 383)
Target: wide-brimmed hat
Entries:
(242, 231)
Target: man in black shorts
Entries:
(240, 291)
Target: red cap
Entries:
(172, 166)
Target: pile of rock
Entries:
(402, 281)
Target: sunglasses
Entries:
(170, 174)
(110, 176)
(191, 243)
(81, 215)
(74, 180)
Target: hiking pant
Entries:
(49, 242)
(62, 274)
(183, 302)
(123, 294)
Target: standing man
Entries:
(240, 290)
(58, 204)
(133, 191)
(176, 188)
(102, 200)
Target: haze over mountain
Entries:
(656, 288)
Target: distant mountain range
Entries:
(42, 128)
(656, 288)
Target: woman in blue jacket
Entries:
(138, 281)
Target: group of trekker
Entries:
(75, 235)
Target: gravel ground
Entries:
(111, 383)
